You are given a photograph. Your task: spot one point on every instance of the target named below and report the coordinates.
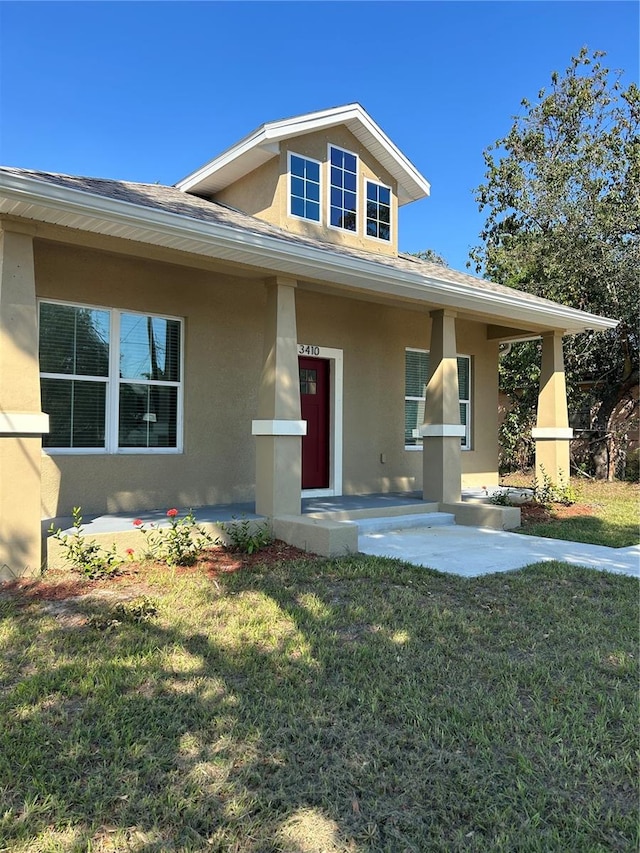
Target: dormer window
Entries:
(343, 201)
(378, 211)
(304, 187)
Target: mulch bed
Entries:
(59, 585)
(538, 514)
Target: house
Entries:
(251, 333)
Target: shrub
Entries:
(180, 544)
(246, 536)
(85, 555)
(547, 492)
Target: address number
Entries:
(307, 349)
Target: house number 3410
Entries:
(308, 349)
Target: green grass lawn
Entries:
(324, 705)
(611, 514)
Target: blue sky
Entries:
(148, 91)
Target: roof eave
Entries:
(30, 198)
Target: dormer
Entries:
(333, 175)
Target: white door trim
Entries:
(335, 357)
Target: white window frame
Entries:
(113, 382)
(462, 401)
(365, 201)
(291, 154)
(339, 228)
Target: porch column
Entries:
(441, 431)
(22, 422)
(552, 432)
(278, 428)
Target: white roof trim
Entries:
(38, 200)
(264, 143)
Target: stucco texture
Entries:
(223, 356)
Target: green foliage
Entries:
(501, 498)
(562, 195)
(431, 256)
(180, 544)
(632, 473)
(140, 609)
(546, 492)
(85, 555)
(245, 535)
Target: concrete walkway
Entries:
(474, 551)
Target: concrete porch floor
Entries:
(343, 505)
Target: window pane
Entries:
(297, 206)
(384, 214)
(148, 416)
(74, 340)
(349, 162)
(313, 211)
(336, 197)
(417, 373)
(336, 177)
(336, 217)
(350, 201)
(313, 171)
(313, 192)
(410, 421)
(76, 410)
(349, 181)
(463, 378)
(149, 348)
(297, 187)
(384, 233)
(297, 166)
(336, 158)
(385, 195)
(372, 229)
(372, 193)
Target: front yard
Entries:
(604, 513)
(308, 705)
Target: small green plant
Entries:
(85, 555)
(246, 536)
(180, 544)
(140, 609)
(501, 498)
(547, 492)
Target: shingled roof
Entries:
(170, 200)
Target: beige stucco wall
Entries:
(224, 327)
(264, 192)
(222, 359)
(374, 339)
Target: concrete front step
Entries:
(392, 512)
(404, 522)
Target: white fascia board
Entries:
(264, 143)
(35, 199)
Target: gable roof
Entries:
(264, 143)
(164, 216)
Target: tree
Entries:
(562, 194)
(432, 256)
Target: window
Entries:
(378, 211)
(110, 380)
(416, 375)
(304, 187)
(343, 194)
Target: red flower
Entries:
(137, 522)
(172, 513)
(130, 551)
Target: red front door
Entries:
(314, 404)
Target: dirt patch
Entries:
(538, 514)
(60, 585)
